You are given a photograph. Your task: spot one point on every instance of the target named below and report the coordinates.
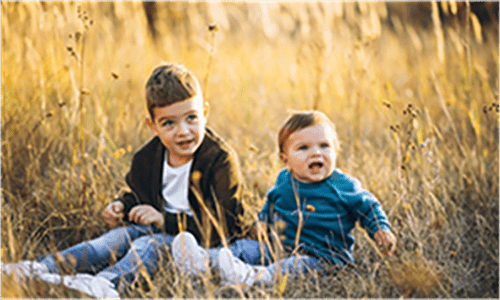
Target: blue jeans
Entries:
(250, 252)
(132, 248)
(247, 250)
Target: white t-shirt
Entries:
(175, 185)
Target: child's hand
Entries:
(386, 241)
(146, 215)
(113, 213)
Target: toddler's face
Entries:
(180, 127)
(309, 153)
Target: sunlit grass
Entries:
(419, 132)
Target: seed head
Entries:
(279, 225)
(78, 35)
(310, 208)
(195, 177)
(213, 27)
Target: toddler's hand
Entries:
(386, 241)
(113, 213)
(146, 215)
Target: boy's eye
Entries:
(192, 117)
(325, 145)
(303, 147)
(167, 123)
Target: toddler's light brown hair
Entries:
(302, 119)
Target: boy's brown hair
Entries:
(168, 84)
(302, 119)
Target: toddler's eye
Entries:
(303, 147)
(325, 145)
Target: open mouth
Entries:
(316, 165)
(184, 143)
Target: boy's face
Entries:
(180, 127)
(309, 153)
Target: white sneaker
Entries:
(188, 255)
(95, 286)
(25, 269)
(51, 277)
(235, 271)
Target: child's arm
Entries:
(373, 218)
(367, 209)
(386, 241)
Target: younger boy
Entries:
(317, 203)
(185, 178)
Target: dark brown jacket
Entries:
(214, 189)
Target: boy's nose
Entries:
(183, 128)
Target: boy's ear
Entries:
(151, 124)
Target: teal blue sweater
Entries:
(330, 209)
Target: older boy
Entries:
(185, 178)
(316, 203)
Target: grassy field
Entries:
(416, 109)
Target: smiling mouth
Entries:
(316, 165)
(184, 143)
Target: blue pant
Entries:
(140, 246)
(132, 248)
(250, 252)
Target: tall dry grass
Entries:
(416, 111)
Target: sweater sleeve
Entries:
(363, 205)
(264, 215)
(370, 214)
(143, 177)
(131, 199)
